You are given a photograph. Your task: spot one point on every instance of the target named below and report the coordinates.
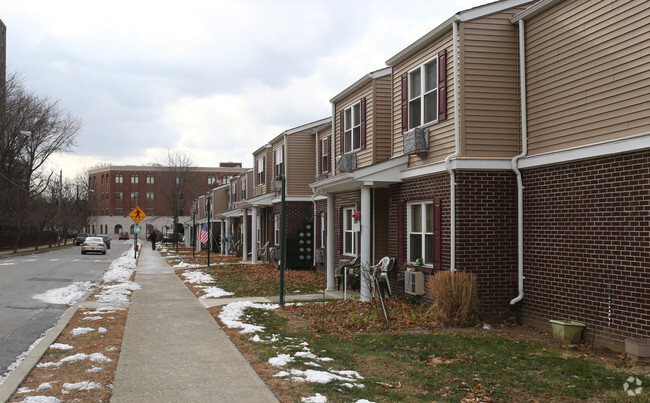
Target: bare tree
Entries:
(178, 188)
(32, 129)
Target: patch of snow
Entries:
(82, 330)
(348, 373)
(94, 369)
(41, 399)
(311, 375)
(313, 364)
(44, 386)
(84, 385)
(184, 265)
(47, 364)
(325, 359)
(74, 358)
(281, 360)
(99, 357)
(65, 295)
(305, 354)
(215, 292)
(318, 398)
(353, 385)
(117, 293)
(24, 390)
(61, 346)
(102, 330)
(231, 314)
(93, 318)
(281, 374)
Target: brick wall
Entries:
(486, 236)
(587, 237)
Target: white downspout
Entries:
(452, 177)
(515, 167)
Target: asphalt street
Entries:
(22, 318)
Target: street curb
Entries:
(11, 384)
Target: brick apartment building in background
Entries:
(114, 192)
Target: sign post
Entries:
(136, 215)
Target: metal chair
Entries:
(344, 272)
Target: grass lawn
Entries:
(411, 361)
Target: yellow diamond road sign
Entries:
(137, 215)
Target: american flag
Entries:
(203, 234)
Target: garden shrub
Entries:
(456, 298)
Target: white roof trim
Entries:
(361, 82)
(461, 16)
(534, 10)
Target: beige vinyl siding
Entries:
(490, 99)
(364, 157)
(219, 201)
(300, 163)
(441, 134)
(381, 113)
(588, 66)
(261, 189)
(250, 184)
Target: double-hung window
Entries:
(323, 230)
(150, 178)
(134, 178)
(349, 235)
(423, 94)
(243, 189)
(324, 159)
(260, 171)
(211, 179)
(279, 160)
(118, 195)
(149, 195)
(119, 178)
(352, 134)
(420, 232)
(276, 229)
(134, 195)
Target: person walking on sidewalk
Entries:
(152, 237)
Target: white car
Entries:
(93, 244)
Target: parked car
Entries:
(81, 237)
(93, 244)
(107, 240)
(124, 235)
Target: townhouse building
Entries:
(511, 141)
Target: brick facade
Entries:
(587, 238)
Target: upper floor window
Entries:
(423, 94)
(278, 157)
(150, 178)
(118, 195)
(102, 179)
(134, 178)
(243, 189)
(134, 195)
(276, 229)
(149, 195)
(260, 171)
(324, 157)
(179, 179)
(119, 178)
(352, 134)
(211, 179)
(94, 180)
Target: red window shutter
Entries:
(401, 209)
(437, 234)
(263, 170)
(284, 162)
(442, 85)
(342, 128)
(317, 233)
(340, 231)
(275, 165)
(405, 102)
(363, 123)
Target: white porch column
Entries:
(223, 237)
(254, 235)
(331, 275)
(228, 244)
(365, 243)
(244, 231)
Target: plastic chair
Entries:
(380, 273)
(344, 271)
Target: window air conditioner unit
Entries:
(414, 282)
(415, 141)
(346, 162)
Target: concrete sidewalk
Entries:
(174, 351)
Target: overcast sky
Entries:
(214, 79)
